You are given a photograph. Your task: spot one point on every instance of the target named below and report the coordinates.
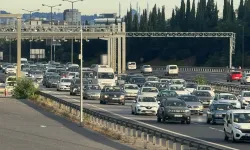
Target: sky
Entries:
(89, 7)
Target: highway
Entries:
(25, 126)
(197, 129)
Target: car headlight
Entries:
(201, 107)
(187, 111)
(218, 115)
(189, 106)
(122, 96)
(106, 96)
(237, 127)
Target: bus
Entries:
(103, 76)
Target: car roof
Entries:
(139, 96)
(205, 85)
(174, 99)
(239, 111)
(225, 94)
(149, 87)
(130, 84)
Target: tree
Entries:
(135, 23)
(232, 12)
(241, 10)
(188, 16)
(192, 16)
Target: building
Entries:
(72, 16)
(107, 19)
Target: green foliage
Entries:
(200, 79)
(24, 89)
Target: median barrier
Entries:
(135, 130)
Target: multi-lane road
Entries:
(198, 128)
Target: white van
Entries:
(172, 70)
(237, 125)
(131, 65)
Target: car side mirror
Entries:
(95, 77)
(134, 101)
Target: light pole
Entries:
(72, 40)
(81, 99)
(243, 45)
(51, 8)
(31, 11)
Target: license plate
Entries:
(115, 98)
(248, 135)
(177, 115)
(205, 103)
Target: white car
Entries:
(245, 78)
(165, 80)
(152, 79)
(172, 70)
(179, 89)
(131, 65)
(10, 69)
(237, 125)
(178, 81)
(64, 84)
(190, 87)
(146, 69)
(248, 107)
(144, 105)
(148, 91)
(72, 75)
(206, 88)
(244, 98)
(131, 91)
(228, 98)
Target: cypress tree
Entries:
(241, 10)
(182, 15)
(172, 20)
(163, 19)
(192, 16)
(135, 23)
(225, 11)
(188, 15)
(233, 17)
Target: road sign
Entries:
(37, 53)
(54, 42)
(1, 55)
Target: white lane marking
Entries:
(42, 126)
(216, 129)
(163, 129)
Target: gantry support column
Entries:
(119, 49)
(124, 48)
(109, 51)
(114, 53)
(19, 26)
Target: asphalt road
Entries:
(197, 129)
(25, 126)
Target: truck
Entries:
(104, 59)
(104, 76)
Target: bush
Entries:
(24, 89)
(200, 79)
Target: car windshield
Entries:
(152, 79)
(247, 75)
(113, 89)
(236, 72)
(105, 75)
(146, 99)
(131, 87)
(66, 80)
(223, 107)
(51, 70)
(227, 97)
(122, 77)
(191, 86)
(37, 72)
(11, 79)
(148, 84)
(93, 87)
(10, 67)
(173, 67)
(11, 83)
(55, 77)
(138, 80)
(72, 74)
(178, 82)
(204, 88)
(164, 80)
(177, 88)
(88, 74)
(202, 94)
(147, 66)
(169, 94)
(190, 98)
(161, 85)
(242, 117)
(246, 94)
(175, 103)
(153, 90)
(132, 63)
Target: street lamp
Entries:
(51, 8)
(243, 46)
(31, 11)
(72, 41)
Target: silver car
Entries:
(92, 92)
(146, 69)
(193, 103)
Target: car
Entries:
(245, 78)
(179, 89)
(64, 84)
(234, 76)
(10, 69)
(144, 105)
(237, 125)
(137, 80)
(190, 87)
(193, 103)
(146, 69)
(164, 94)
(178, 81)
(165, 80)
(112, 94)
(92, 92)
(148, 91)
(131, 65)
(121, 79)
(217, 111)
(152, 79)
(161, 85)
(75, 87)
(173, 110)
(172, 70)
(248, 107)
(131, 91)
(132, 75)
(204, 96)
(244, 98)
(206, 88)
(228, 98)
(52, 81)
(72, 75)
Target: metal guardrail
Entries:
(200, 69)
(113, 122)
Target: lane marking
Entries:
(42, 126)
(216, 129)
(183, 135)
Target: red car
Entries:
(234, 75)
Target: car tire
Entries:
(233, 139)
(225, 136)
(132, 112)
(158, 119)
(200, 114)
(135, 113)
(101, 102)
(123, 103)
(70, 93)
(208, 121)
(213, 121)
(182, 122)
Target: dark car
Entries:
(75, 87)
(164, 94)
(174, 110)
(132, 76)
(88, 75)
(138, 80)
(52, 81)
(217, 111)
(204, 96)
(112, 94)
